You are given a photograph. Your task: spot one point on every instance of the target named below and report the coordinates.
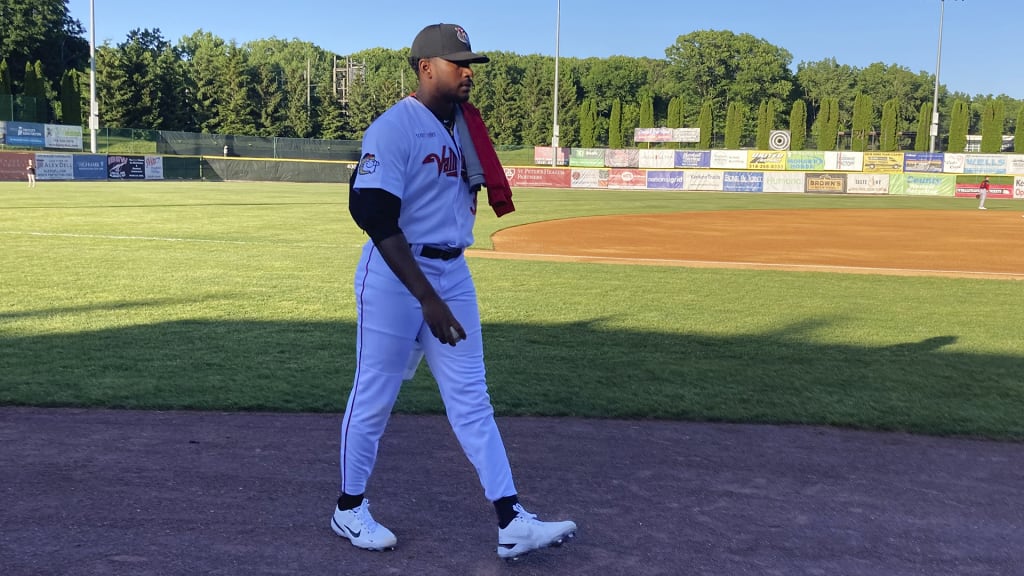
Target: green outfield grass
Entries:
(233, 296)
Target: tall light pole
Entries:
(94, 109)
(554, 123)
(934, 130)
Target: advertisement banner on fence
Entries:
(12, 165)
(90, 167)
(652, 134)
(844, 161)
(923, 162)
(784, 182)
(691, 135)
(867, 183)
(970, 187)
(587, 157)
(55, 166)
(953, 163)
(542, 156)
(538, 177)
(824, 183)
(1015, 164)
(154, 167)
(985, 164)
(757, 160)
(622, 158)
(3, 132)
(126, 167)
(63, 137)
(665, 179)
(922, 185)
(626, 179)
(729, 159)
(883, 162)
(712, 180)
(693, 159)
(1018, 187)
(743, 182)
(27, 134)
(590, 178)
(803, 161)
(657, 158)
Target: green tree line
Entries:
(735, 87)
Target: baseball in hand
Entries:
(455, 334)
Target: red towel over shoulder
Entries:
(499, 193)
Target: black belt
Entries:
(440, 253)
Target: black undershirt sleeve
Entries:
(375, 211)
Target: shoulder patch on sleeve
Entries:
(368, 164)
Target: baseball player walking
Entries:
(414, 294)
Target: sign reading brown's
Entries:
(824, 183)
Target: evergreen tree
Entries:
(763, 129)
(1018, 132)
(6, 92)
(238, 113)
(70, 100)
(675, 117)
(646, 111)
(828, 124)
(924, 122)
(705, 123)
(992, 122)
(269, 96)
(890, 113)
(734, 125)
(5, 78)
(863, 118)
(959, 124)
(615, 125)
(798, 125)
(588, 124)
(630, 121)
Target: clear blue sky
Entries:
(980, 37)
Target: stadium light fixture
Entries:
(554, 122)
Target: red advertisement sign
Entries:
(12, 165)
(994, 191)
(538, 177)
(626, 179)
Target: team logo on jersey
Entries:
(368, 164)
(447, 162)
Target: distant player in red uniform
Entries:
(983, 193)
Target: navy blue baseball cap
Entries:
(448, 41)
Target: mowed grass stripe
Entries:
(263, 319)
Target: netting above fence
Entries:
(193, 144)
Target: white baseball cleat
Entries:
(525, 534)
(361, 529)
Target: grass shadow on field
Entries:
(578, 369)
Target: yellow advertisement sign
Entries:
(883, 162)
(762, 160)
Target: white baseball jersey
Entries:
(425, 171)
(409, 153)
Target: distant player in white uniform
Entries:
(414, 292)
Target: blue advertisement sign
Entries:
(693, 159)
(665, 179)
(26, 134)
(90, 167)
(922, 162)
(743, 182)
